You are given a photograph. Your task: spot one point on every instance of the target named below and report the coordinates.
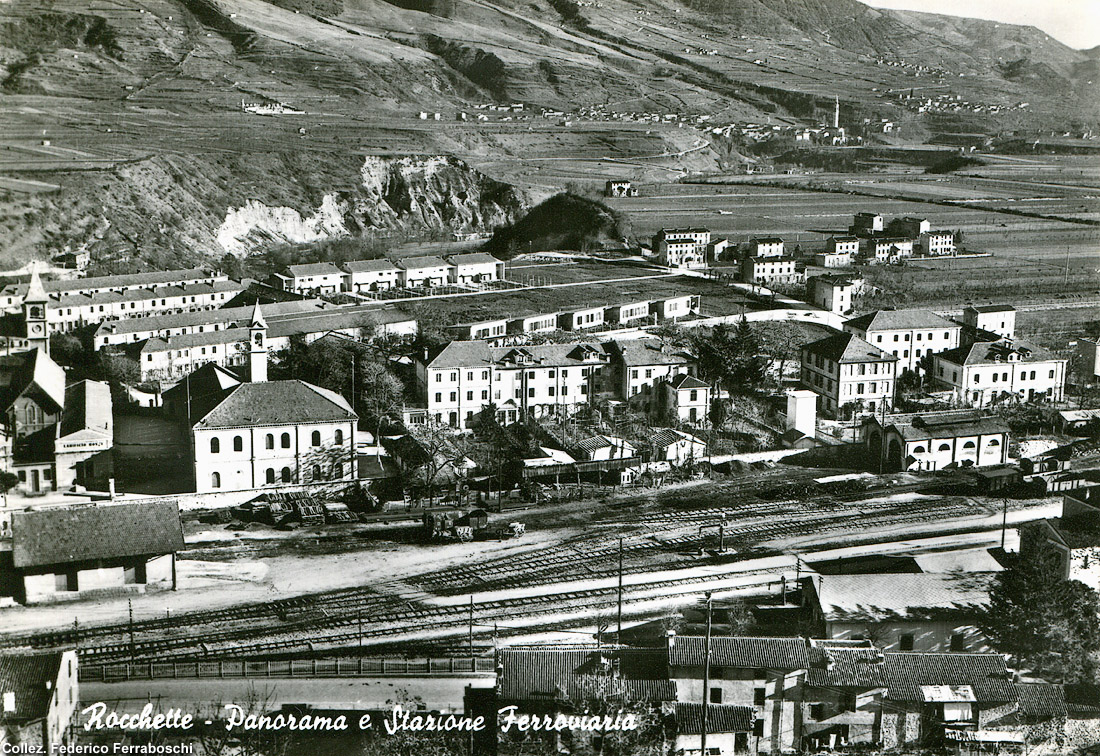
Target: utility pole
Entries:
(1004, 523)
(472, 631)
(130, 605)
(706, 678)
(619, 637)
(359, 620)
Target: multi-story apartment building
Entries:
(911, 227)
(889, 250)
(988, 371)
(466, 376)
(684, 398)
(843, 245)
(682, 247)
(766, 246)
(998, 319)
(937, 243)
(642, 364)
(909, 335)
(765, 270)
(867, 224)
(830, 293)
(844, 370)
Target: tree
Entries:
(731, 357)
(379, 398)
(1042, 620)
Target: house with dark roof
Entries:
(849, 374)
(761, 673)
(729, 729)
(909, 335)
(935, 440)
(67, 552)
(683, 397)
(830, 293)
(987, 372)
(39, 695)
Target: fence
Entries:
(301, 668)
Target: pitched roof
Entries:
(829, 280)
(996, 352)
(592, 443)
(1039, 701)
(205, 317)
(898, 320)
(31, 678)
(313, 269)
(276, 403)
(687, 381)
(59, 535)
(669, 436)
(650, 352)
(986, 674)
(460, 354)
(126, 279)
(991, 308)
(862, 667)
(748, 653)
(583, 672)
(424, 261)
(87, 408)
(945, 425)
(369, 266)
(34, 371)
(473, 258)
(203, 388)
(847, 347)
(903, 596)
(35, 291)
(720, 719)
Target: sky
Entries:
(1072, 22)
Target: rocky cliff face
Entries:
(165, 211)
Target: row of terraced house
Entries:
(362, 276)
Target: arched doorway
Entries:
(893, 455)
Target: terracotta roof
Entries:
(276, 403)
(847, 347)
(59, 535)
(650, 352)
(946, 425)
(829, 280)
(720, 719)
(899, 320)
(747, 653)
(204, 317)
(847, 668)
(1041, 701)
(127, 279)
(906, 672)
(31, 678)
(583, 672)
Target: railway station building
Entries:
(988, 372)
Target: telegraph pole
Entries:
(619, 638)
(706, 678)
(472, 662)
(1004, 523)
